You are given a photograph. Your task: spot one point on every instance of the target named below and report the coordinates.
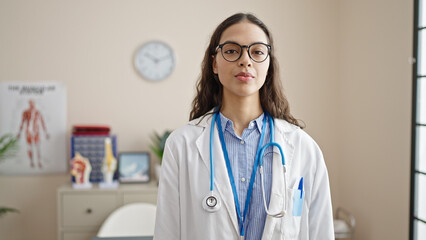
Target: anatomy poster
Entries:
(35, 113)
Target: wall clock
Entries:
(155, 60)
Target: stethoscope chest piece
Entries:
(211, 203)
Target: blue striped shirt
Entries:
(242, 151)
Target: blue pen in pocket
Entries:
(298, 197)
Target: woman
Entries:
(238, 107)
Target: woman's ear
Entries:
(214, 65)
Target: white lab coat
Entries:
(185, 181)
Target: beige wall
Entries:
(343, 64)
(375, 112)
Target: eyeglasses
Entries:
(232, 51)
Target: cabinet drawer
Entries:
(87, 210)
(79, 235)
(140, 197)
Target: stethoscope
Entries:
(211, 203)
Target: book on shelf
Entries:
(89, 141)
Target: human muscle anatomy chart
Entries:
(32, 122)
(36, 114)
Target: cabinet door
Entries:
(87, 210)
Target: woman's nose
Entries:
(245, 59)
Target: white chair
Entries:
(344, 225)
(135, 219)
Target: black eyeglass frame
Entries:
(241, 52)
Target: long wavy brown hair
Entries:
(209, 88)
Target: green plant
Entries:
(5, 210)
(158, 143)
(8, 148)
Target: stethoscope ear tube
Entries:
(284, 211)
(211, 152)
(272, 143)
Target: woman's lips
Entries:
(243, 76)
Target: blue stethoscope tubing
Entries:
(212, 203)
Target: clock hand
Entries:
(154, 59)
(164, 58)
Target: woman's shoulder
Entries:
(285, 126)
(190, 130)
(295, 133)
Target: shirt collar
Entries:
(228, 125)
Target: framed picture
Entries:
(133, 167)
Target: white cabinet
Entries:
(82, 211)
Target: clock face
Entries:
(155, 60)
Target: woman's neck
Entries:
(241, 111)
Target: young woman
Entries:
(242, 168)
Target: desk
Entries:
(123, 238)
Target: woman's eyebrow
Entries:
(230, 41)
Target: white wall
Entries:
(343, 65)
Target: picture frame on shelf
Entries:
(134, 167)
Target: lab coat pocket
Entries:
(290, 225)
(298, 197)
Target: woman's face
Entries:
(244, 77)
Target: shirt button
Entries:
(251, 124)
(243, 179)
(242, 142)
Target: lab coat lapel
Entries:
(277, 202)
(222, 185)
